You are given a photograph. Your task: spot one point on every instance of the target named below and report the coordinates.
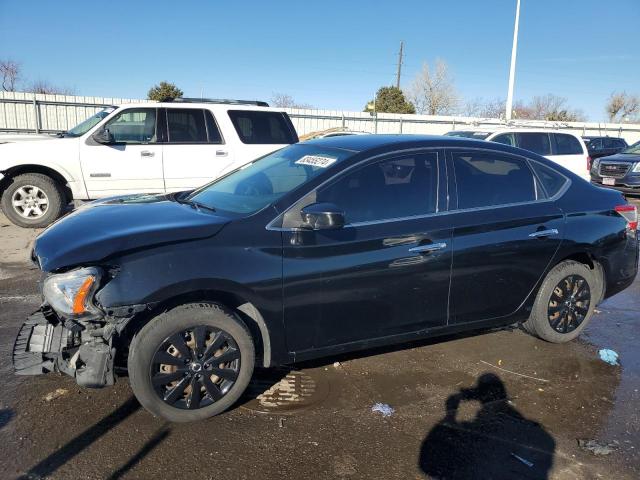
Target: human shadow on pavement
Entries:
(6, 415)
(499, 443)
(147, 448)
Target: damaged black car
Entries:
(320, 248)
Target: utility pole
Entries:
(399, 65)
(512, 71)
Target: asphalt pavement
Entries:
(498, 404)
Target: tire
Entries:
(43, 200)
(550, 311)
(160, 339)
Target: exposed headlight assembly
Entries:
(71, 293)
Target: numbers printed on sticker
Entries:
(316, 161)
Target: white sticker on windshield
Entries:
(316, 161)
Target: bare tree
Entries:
(432, 91)
(480, 107)
(283, 100)
(46, 88)
(547, 107)
(623, 107)
(10, 72)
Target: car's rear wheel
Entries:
(565, 302)
(33, 200)
(191, 362)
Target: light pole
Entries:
(512, 70)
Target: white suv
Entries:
(137, 148)
(565, 148)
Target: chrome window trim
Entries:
(446, 150)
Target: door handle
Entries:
(147, 153)
(221, 153)
(432, 247)
(544, 233)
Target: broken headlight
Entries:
(71, 294)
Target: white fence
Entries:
(29, 113)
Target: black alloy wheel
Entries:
(569, 304)
(195, 367)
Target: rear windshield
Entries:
(265, 180)
(260, 127)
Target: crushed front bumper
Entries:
(47, 343)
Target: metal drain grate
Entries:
(284, 391)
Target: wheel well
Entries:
(49, 172)
(245, 310)
(593, 264)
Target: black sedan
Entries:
(323, 247)
(621, 171)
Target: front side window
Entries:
(506, 138)
(486, 179)
(404, 186)
(536, 142)
(135, 125)
(265, 180)
(619, 143)
(567, 144)
(262, 127)
(186, 125)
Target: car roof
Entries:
(210, 106)
(362, 143)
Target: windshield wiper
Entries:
(198, 205)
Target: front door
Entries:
(386, 272)
(195, 152)
(133, 164)
(505, 234)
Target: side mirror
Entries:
(104, 137)
(322, 216)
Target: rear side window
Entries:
(186, 126)
(255, 127)
(534, 142)
(486, 179)
(551, 180)
(567, 144)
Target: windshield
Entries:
(633, 149)
(89, 123)
(265, 180)
(468, 134)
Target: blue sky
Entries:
(331, 54)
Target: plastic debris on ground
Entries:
(523, 460)
(384, 409)
(55, 394)
(598, 448)
(608, 356)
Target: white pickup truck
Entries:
(136, 148)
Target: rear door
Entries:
(195, 151)
(569, 152)
(133, 164)
(386, 272)
(505, 233)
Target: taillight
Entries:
(588, 163)
(630, 214)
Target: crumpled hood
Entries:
(103, 228)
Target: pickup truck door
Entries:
(132, 164)
(195, 151)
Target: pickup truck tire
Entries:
(32, 200)
(168, 364)
(565, 302)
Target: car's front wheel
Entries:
(33, 200)
(565, 302)
(191, 362)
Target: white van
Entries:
(145, 147)
(563, 147)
